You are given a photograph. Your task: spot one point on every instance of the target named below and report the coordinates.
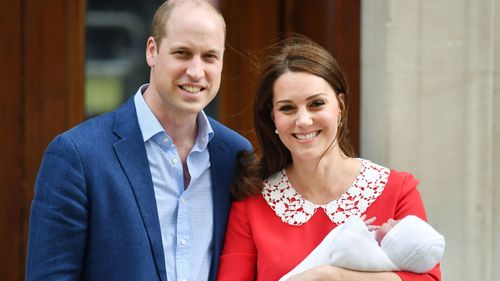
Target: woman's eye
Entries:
(286, 108)
(317, 103)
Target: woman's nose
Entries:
(304, 119)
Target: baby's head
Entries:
(384, 229)
(412, 244)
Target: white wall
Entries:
(430, 103)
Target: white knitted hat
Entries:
(413, 245)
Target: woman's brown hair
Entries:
(297, 54)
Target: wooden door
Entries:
(253, 25)
(41, 86)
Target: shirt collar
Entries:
(205, 132)
(150, 125)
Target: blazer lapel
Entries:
(132, 155)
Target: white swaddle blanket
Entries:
(412, 245)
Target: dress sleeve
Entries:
(239, 255)
(410, 203)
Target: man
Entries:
(141, 193)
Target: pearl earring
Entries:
(276, 131)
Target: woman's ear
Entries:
(341, 99)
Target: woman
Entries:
(307, 181)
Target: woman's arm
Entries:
(238, 261)
(333, 273)
(410, 203)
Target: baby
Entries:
(409, 244)
(382, 230)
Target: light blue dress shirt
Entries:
(186, 215)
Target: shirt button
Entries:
(183, 242)
(165, 140)
(174, 161)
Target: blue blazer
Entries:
(94, 216)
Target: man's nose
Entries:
(195, 69)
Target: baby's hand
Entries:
(369, 222)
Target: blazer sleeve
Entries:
(59, 216)
(238, 261)
(410, 203)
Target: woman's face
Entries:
(305, 113)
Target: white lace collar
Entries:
(289, 205)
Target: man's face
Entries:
(186, 69)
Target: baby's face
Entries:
(384, 228)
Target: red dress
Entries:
(269, 234)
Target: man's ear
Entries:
(151, 51)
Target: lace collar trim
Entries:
(289, 205)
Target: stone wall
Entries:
(430, 103)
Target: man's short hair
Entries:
(162, 14)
